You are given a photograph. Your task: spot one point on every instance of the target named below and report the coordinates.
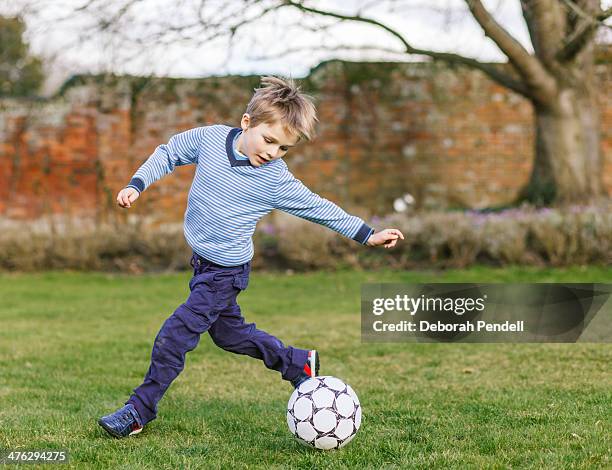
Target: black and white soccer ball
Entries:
(324, 412)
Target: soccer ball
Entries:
(324, 412)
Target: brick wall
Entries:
(449, 137)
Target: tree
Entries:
(558, 78)
(20, 73)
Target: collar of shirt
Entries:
(237, 154)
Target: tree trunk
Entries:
(568, 165)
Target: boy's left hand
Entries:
(387, 238)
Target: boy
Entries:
(240, 177)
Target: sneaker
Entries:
(123, 422)
(311, 368)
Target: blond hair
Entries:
(280, 99)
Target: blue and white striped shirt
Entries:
(228, 195)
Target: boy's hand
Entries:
(126, 196)
(387, 238)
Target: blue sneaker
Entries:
(311, 369)
(123, 422)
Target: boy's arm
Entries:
(181, 149)
(293, 197)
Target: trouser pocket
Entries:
(240, 281)
(203, 297)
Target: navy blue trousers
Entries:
(211, 306)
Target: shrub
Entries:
(526, 236)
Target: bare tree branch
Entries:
(357, 17)
(491, 70)
(338, 48)
(583, 32)
(547, 23)
(529, 67)
(600, 18)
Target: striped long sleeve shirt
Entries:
(228, 195)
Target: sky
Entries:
(264, 46)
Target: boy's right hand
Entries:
(126, 196)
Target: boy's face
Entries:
(265, 142)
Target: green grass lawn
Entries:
(73, 346)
